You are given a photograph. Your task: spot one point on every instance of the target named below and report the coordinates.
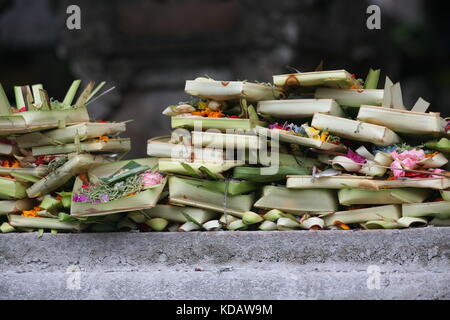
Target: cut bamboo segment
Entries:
(77, 163)
(298, 201)
(355, 130)
(403, 121)
(39, 171)
(299, 108)
(388, 212)
(349, 197)
(439, 209)
(313, 223)
(12, 189)
(303, 141)
(222, 124)
(232, 90)
(334, 79)
(112, 145)
(352, 97)
(226, 140)
(178, 214)
(85, 131)
(185, 192)
(7, 207)
(145, 199)
(361, 182)
(31, 121)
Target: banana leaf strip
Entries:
(232, 90)
(15, 206)
(111, 146)
(298, 201)
(77, 163)
(299, 108)
(178, 214)
(255, 174)
(333, 79)
(31, 121)
(352, 97)
(12, 189)
(439, 209)
(349, 197)
(184, 192)
(221, 124)
(355, 130)
(66, 135)
(403, 121)
(388, 212)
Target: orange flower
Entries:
(208, 113)
(10, 164)
(342, 225)
(103, 138)
(431, 155)
(31, 213)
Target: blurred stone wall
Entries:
(148, 48)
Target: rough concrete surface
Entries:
(374, 264)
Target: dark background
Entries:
(149, 48)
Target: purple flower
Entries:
(80, 198)
(105, 198)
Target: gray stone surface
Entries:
(412, 264)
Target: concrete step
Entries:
(376, 264)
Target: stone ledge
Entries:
(413, 264)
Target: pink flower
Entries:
(394, 167)
(407, 159)
(414, 154)
(355, 157)
(151, 179)
(436, 171)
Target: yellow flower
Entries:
(313, 133)
(324, 136)
(202, 105)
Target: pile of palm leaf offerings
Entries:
(316, 150)
(44, 145)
